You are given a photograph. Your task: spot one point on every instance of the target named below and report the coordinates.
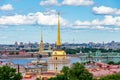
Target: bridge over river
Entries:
(99, 57)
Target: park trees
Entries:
(8, 73)
(76, 72)
(111, 77)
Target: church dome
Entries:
(58, 52)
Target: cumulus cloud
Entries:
(49, 2)
(6, 7)
(50, 12)
(100, 24)
(106, 10)
(47, 18)
(107, 21)
(67, 2)
(77, 22)
(78, 2)
(31, 19)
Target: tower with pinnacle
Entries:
(41, 45)
(58, 57)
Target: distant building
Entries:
(16, 44)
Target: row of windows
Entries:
(63, 53)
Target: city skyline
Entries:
(81, 20)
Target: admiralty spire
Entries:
(58, 33)
(58, 57)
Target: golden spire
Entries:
(58, 34)
(41, 37)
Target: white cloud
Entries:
(81, 27)
(107, 21)
(49, 2)
(6, 7)
(104, 24)
(50, 12)
(105, 10)
(67, 2)
(16, 20)
(117, 29)
(47, 18)
(78, 2)
(98, 27)
(77, 22)
(32, 18)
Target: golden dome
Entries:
(59, 52)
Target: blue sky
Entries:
(81, 20)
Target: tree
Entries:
(53, 78)
(118, 62)
(11, 53)
(39, 56)
(111, 77)
(59, 77)
(17, 53)
(8, 73)
(111, 62)
(65, 70)
(49, 54)
(37, 78)
(76, 72)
